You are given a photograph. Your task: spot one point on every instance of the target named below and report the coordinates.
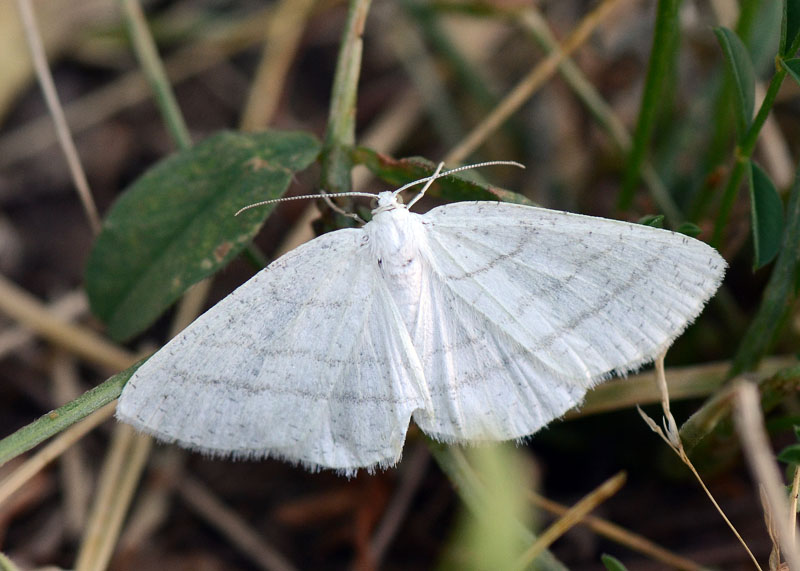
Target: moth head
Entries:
(387, 200)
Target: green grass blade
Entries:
(658, 72)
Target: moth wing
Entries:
(307, 361)
(525, 308)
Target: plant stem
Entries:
(57, 420)
(744, 149)
(146, 51)
(340, 134)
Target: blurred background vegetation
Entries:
(680, 114)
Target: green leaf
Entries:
(797, 432)
(456, 187)
(689, 229)
(790, 26)
(790, 454)
(766, 211)
(779, 294)
(175, 225)
(654, 220)
(57, 420)
(612, 563)
(793, 67)
(744, 78)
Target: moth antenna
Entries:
(428, 180)
(336, 208)
(322, 195)
(437, 174)
(432, 178)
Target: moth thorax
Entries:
(398, 242)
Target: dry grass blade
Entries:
(232, 526)
(132, 88)
(66, 308)
(620, 535)
(532, 20)
(31, 313)
(671, 435)
(750, 426)
(152, 506)
(775, 552)
(530, 83)
(281, 40)
(118, 481)
(684, 383)
(793, 501)
(53, 104)
(76, 476)
(573, 515)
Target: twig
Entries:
(769, 521)
(57, 113)
(154, 501)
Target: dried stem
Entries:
(572, 517)
(57, 113)
(671, 436)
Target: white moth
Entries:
(481, 321)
